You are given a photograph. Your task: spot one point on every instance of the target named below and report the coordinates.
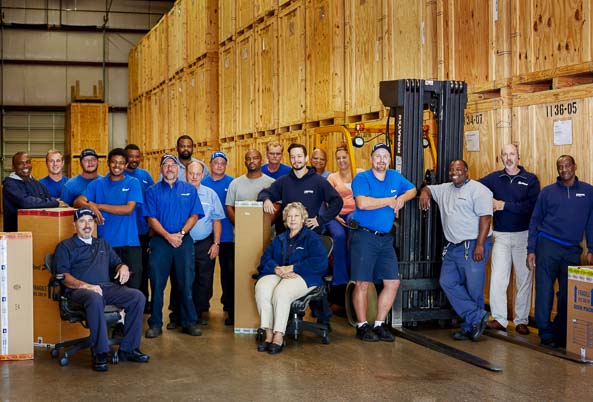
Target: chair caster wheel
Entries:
(115, 358)
(325, 340)
(55, 353)
(64, 361)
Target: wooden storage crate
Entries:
(551, 38)
(160, 53)
(266, 75)
(227, 92)
(475, 42)
(292, 55)
(245, 83)
(86, 127)
(245, 15)
(192, 104)
(38, 168)
(487, 127)
(263, 8)
(201, 28)
(226, 20)
(363, 55)
(296, 137)
(409, 39)
(177, 109)
(229, 148)
(324, 87)
(160, 118)
(207, 98)
(133, 74)
(176, 38)
(145, 65)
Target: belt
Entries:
(374, 232)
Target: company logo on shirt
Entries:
(522, 183)
(392, 191)
(185, 194)
(309, 192)
(144, 181)
(125, 189)
(300, 248)
(580, 194)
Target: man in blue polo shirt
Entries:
(55, 180)
(113, 199)
(220, 182)
(379, 194)
(172, 208)
(145, 179)
(89, 162)
(274, 168)
(562, 213)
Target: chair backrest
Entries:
(48, 262)
(328, 243)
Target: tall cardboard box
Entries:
(252, 236)
(49, 227)
(16, 296)
(579, 319)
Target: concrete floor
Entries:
(223, 366)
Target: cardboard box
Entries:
(579, 319)
(16, 296)
(49, 227)
(252, 236)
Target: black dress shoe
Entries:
(134, 356)
(100, 362)
(263, 346)
(153, 332)
(172, 325)
(192, 330)
(274, 348)
(549, 342)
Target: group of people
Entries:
(177, 227)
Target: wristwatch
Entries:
(183, 232)
(217, 243)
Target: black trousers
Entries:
(204, 268)
(226, 259)
(144, 240)
(132, 257)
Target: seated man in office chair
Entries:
(86, 264)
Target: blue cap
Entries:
(381, 146)
(218, 154)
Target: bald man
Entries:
(515, 191)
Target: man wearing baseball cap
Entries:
(89, 162)
(379, 193)
(88, 264)
(172, 208)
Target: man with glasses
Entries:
(274, 168)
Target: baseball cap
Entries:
(80, 212)
(381, 146)
(169, 156)
(88, 152)
(217, 154)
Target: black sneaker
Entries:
(384, 333)
(479, 328)
(366, 333)
(100, 362)
(462, 335)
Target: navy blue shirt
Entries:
(172, 205)
(91, 263)
(221, 187)
(146, 181)
(519, 193)
(562, 214)
(54, 187)
(283, 170)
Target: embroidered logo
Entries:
(185, 194)
(393, 191)
(308, 192)
(580, 194)
(125, 189)
(300, 248)
(522, 183)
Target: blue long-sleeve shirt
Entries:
(562, 214)
(519, 193)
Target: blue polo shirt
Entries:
(221, 187)
(212, 211)
(118, 230)
(146, 181)
(91, 263)
(283, 170)
(172, 205)
(366, 184)
(54, 187)
(74, 187)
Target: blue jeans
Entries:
(162, 257)
(339, 234)
(462, 280)
(551, 262)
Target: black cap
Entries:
(168, 156)
(88, 152)
(80, 212)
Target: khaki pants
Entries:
(274, 296)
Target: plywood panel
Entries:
(266, 75)
(226, 19)
(207, 98)
(227, 71)
(86, 127)
(325, 60)
(175, 20)
(292, 54)
(201, 28)
(245, 10)
(264, 7)
(229, 148)
(245, 83)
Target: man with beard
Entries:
(21, 191)
(89, 161)
(55, 180)
(274, 168)
(562, 213)
(220, 182)
(515, 191)
(466, 212)
(185, 148)
(379, 193)
(172, 208)
(88, 265)
(303, 185)
(145, 179)
(113, 200)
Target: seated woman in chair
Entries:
(292, 265)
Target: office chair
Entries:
(73, 313)
(296, 322)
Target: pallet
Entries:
(380, 114)
(553, 79)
